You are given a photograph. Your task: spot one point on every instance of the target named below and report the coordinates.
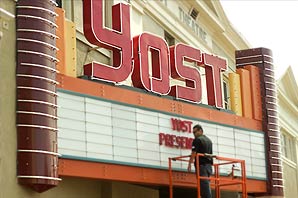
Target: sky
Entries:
(270, 24)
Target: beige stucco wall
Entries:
(7, 101)
(74, 188)
(124, 190)
(288, 115)
(290, 181)
(87, 188)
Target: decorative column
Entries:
(36, 94)
(262, 58)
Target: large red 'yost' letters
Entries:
(165, 62)
(118, 40)
(159, 82)
(213, 67)
(193, 90)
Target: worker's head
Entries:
(197, 130)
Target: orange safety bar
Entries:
(218, 181)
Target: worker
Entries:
(202, 144)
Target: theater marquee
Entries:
(113, 127)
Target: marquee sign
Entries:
(177, 141)
(131, 56)
(96, 129)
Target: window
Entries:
(226, 94)
(170, 40)
(59, 3)
(164, 2)
(288, 146)
(194, 13)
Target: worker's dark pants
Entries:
(205, 171)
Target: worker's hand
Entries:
(189, 167)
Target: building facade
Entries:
(287, 107)
(95, 99)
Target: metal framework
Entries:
(216, 179)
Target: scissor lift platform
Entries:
(216, 180)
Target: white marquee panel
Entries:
(149, 119)
(99, 156)
(239, 135)
(103, 130)
(99, 128)
(72, 104)
(98, 110)
(123, 107)
(210, 130)
(187, 152)
(126, 159)
(66, 123)
(242, 144)
(96, 102)
(125, 152)
(72, 152)
(122, 114)
(169, 150)
(99, 148)
(213, 138)
(215, 148)
(123, 123)
(73, 114)
(243, 152)
(99, 138)
(98, 119)
(150, 146)
(163, 122)
(149, 128)
(72, 144)
(226, 141)
(149, 155)
(147, 112)
(124, 133)
(148, 137)
(124, 142)
(72, 134)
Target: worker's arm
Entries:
(191, 159)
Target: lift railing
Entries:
(216, 179)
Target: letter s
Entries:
(193, 90)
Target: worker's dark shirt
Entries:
(203, 144)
